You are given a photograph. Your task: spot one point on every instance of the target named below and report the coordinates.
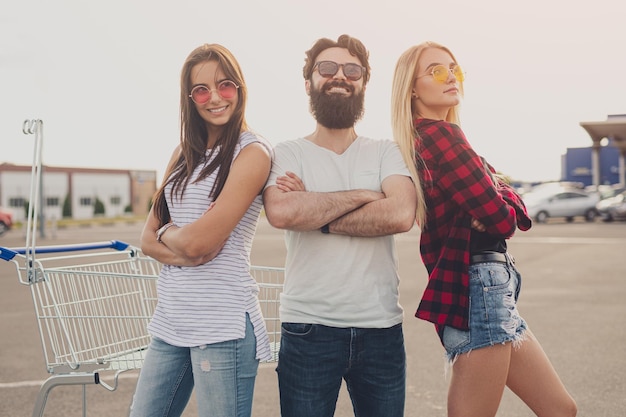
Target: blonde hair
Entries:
(402, 113)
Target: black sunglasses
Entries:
(328, 69)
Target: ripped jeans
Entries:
(493, 318)
(223, 375)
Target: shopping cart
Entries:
(93, 301)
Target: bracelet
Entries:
(324, 229)
(162, 229)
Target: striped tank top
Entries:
(208, 303)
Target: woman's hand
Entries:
(478, 226)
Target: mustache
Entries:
(338, 83)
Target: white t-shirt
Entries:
(208, 303)
(337, 280)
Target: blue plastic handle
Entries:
(9, 253)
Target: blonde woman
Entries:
(474, 284)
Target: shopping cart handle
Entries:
(8, 254)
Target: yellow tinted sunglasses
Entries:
(440, 73)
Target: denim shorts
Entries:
(493, 317)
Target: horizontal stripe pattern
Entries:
(208, 303)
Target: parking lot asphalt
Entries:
(573, 297)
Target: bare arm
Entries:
(202, 240)
(392, 212)
(395, 213)
(159, 251)
(164, 254)
(290, 207)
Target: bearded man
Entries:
(340, 197)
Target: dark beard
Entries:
(335, 111)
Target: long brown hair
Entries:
(194, 135)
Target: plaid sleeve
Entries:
(468, 184)
(514, 200)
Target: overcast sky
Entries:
(104, 75)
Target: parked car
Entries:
(6, 220)
(612, 208)
(606, 191)
(569, 203)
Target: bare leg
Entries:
(533, 378)
(478, 381)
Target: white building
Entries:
(120, 191)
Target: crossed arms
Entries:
(199, 242)
(363, 213)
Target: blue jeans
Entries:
(313, 360)
(223, 374)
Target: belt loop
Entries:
(510, 258)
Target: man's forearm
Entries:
(305, 211)
(378, 218)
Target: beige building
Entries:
(121, 192)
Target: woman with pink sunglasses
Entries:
(207, 330)
(474, 284)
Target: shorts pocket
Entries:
(493, 277)
(454, 339)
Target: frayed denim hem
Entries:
(451, 357)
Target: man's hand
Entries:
(289, 182)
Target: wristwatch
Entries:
(162, 229)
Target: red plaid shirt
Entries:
(457, 188)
